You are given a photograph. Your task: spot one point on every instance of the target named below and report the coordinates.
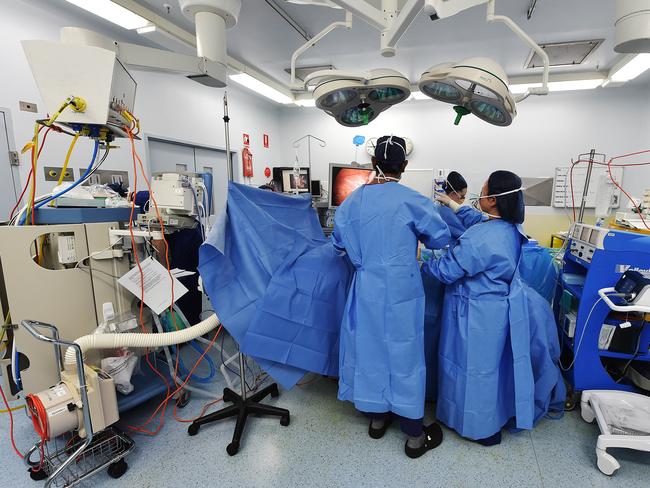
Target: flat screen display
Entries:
(594, 238)
(292, 182)
(345, 179)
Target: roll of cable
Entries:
(53, 411)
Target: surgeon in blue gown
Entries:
(488, 376)
(382, 364)
(455, 190)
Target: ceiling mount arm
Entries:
(542, 90)
(347, 23)
(363, 10)
(391, 35)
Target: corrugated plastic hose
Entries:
(114, 341)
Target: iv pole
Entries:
(309, 137)
(242, 404)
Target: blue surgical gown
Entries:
(434, 291)
(381, 363)
(485, 369)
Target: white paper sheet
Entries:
(157, 285)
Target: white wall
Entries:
(547, 132)
(169, 106)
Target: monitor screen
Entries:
(586, 231)
(292, 182)
(345, 179)
(594, 238)
(284, 184)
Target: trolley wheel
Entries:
(183, 399)
(39, 475)
(607, 464)
(286, 420)
(232, 448)
(193, 429)
(117, 469)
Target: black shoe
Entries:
(432, 439)
(493, 440)
(379, 433)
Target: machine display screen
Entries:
(585, 234)
(344, 180)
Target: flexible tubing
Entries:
(114, 341)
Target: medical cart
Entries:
(601, 348)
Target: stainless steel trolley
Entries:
(67, 462)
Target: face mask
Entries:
(475, 201)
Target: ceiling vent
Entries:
(564, 53)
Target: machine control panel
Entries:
(585, 239)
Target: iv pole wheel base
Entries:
(274, 391)
(285, 421)
(117, 469)
(39, 475)
(232, 448)
(193, 429)
(607, 463)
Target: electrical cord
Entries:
(582, 335)
(636, 353)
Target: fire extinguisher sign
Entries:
(247, 140)
(266, 141)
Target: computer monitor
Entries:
(344, 179)
(285, 180)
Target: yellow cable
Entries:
(34, 146)
(67, 159)
(19, 407)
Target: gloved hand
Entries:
(444, 199)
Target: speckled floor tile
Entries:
(566, 452)
(327, 445)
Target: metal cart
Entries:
(67, 462)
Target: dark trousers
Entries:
(411, 427)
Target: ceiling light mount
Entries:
(212, 18)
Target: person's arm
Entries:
(431, 230)
(465, 259)
(470, 216)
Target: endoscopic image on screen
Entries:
(346, 180)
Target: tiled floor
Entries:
(326, 445)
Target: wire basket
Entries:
(107, 449)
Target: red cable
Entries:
(611, 176)
(20, 199)
(39, 420)
(163, 404)
(137, 260)
(11, 425)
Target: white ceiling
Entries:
(263, 39)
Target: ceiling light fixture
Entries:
(637, 65)
(558, 86)
(263, 89)
(112, 12)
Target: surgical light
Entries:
(633, 68)
(257, 86)
(355, 100)
(474, 85)
(112, 12)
